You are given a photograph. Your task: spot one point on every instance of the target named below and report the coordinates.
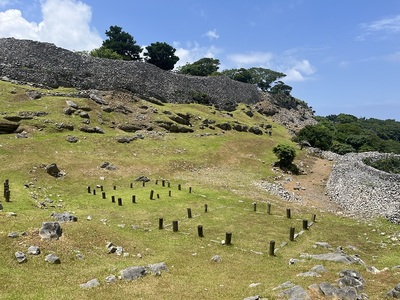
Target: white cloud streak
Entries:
(384, 26)
(193, 52)
(66, 23)
(212, 34)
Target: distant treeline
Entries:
(345, 133)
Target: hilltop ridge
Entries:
(49, 66)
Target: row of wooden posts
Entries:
(200, 233)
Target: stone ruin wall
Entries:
(362, 190)
(45, 64)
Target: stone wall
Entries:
(362, 190)
(51, 66)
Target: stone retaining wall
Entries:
(362, 190)
(48, 65)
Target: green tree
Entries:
(161, 55)
(318, 136)
(203, 67)
(281, 88)
(104, 52)
(122, 43)
(286, 155)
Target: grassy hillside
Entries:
(212, 166)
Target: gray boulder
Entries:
(133, 273)
(21, 257)
(53, 170)
(52, 258)
(50, 230)
(156, 268)
(295, 293)
(395, 292)
(90, 284)
(64, 217)
(34, 250)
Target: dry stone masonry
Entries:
(362, 190)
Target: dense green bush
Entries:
(389, 165)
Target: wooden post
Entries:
(272, 248)
(143, 183)
(101, 188)
(131, 185)
(179, 187)
(169, 184)
(228, 238)
(7, 191)
(305, 224)
(156, 181)
(314, 216)
(200, 231)
(115, 187)
(88, 189)
(7, 195)
(189, 212)
(169, 194)
(103, 195)
(190, 190)
(94, 192)
(120, 201)
(174, 226)
(133, 199)
(113, 199)
(288, 215)
(205, 208)
(158, 196)
(291, 234)
(160, 223)
(254, 206)
(151, 195)
(163, 183)
(269, 208)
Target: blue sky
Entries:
(340, 56)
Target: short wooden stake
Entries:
(269, 208)
(156, 181)
(305, 224)
(189, 213)
(160, 223)
(179, 187)
(254, 206)
(169, 184)
(143, 183)
(174, 226)
(291, 234)
(205, 208)
(288, 215)
(169, 194)
(7, 195)
(94, 192)
(131, 185)
(163, 183)
(115, 187)
(158, 196)
(113, 199)
(314, 216)
(133, 199)
(272, 248)
(151, 195)
(89, 190)
(120, 201)
(200, 231)
(103, 195)
(228, 238)
(101, 188)
(190, 190)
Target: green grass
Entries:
(219, 167)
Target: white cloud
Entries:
(251, 59)
(65, 23)
(193, 52)
(384, 26)
(212, 34)
(299, 71)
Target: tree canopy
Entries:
(345, 133)
(161, 55)
(263, 78)
(203, 67)
(286, 155)
(120, 42)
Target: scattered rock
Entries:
(90, 284)
(50, 230)
(34, 95)
(34, 250)
(133, 273)
(12, 235)
(21, 257)
(53, 170)
(394, 292)
(216, 258)
(111, 279)
(64, 217)
(52, 258)
(72, 139)
(143, 178)
(296, 292)
(156, 268)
